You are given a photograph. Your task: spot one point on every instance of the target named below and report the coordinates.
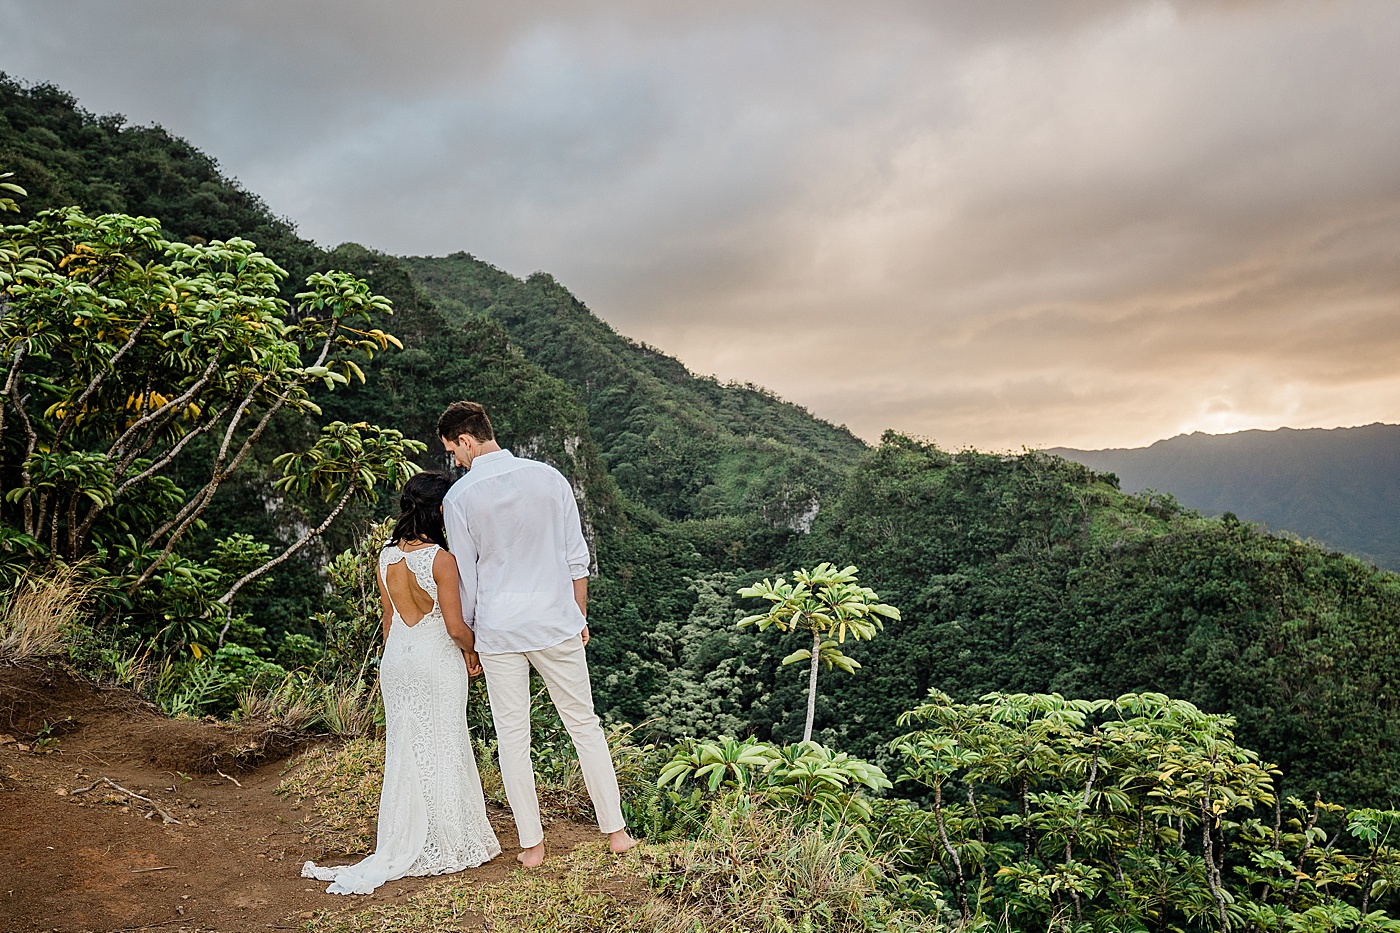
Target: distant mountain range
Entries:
(1339, 486)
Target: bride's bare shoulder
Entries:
(444, 565)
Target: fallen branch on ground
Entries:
(164, 814)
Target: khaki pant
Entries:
(564, 669)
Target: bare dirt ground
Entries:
(103, 861)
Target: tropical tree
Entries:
(826, 604)
(1138, 813)
(128, 357)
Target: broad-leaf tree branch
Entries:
(348, 460)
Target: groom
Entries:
(513, 526)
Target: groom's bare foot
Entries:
(531, 857)
(620, 841)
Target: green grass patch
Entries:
(341, 784)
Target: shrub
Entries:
(213, 683)
(806, 780)
(299, 652)
(352, 628)
(752, 870)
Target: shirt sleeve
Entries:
(575, 545)
(463, 549)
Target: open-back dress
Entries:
(432, 813)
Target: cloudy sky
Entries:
(1000, 224)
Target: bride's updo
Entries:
(420, 509)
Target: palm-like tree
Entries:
(830, 606)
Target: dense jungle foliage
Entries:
(1039, 813)
(1012, 573)
(1036, 573)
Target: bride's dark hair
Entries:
(420, 509)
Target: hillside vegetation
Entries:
(1037, 574)
(63, 155)
(1025, 575)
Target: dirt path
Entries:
(99, 861)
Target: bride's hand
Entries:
(473, 663)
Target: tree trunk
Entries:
(960, 880)
(1026, 816)
(252, 575)
(1212, 875)
(195, 507)
(981, 838)
(31, 527)
(192, 509)
(169, 411)
(70, 417)
(9, 384)
(166, 458)
(1307, 846)
(812, 686)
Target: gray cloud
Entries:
(1081, 223)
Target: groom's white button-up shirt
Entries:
(513, 526)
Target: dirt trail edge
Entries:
(102, 861)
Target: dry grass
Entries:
(341, 785)
(39, 612)
(289, 705)
(347, 708)
(752, 874)
(587, 891)
(352, 708)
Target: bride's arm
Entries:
(450, 602)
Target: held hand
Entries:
(584, 636)
(473, 663)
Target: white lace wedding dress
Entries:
(432, 814)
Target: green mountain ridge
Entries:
(1013, 573)
(689, 446)
(1340, 486)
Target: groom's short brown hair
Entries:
(465, 418)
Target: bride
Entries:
(432, 814)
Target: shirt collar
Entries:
(493, 456)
